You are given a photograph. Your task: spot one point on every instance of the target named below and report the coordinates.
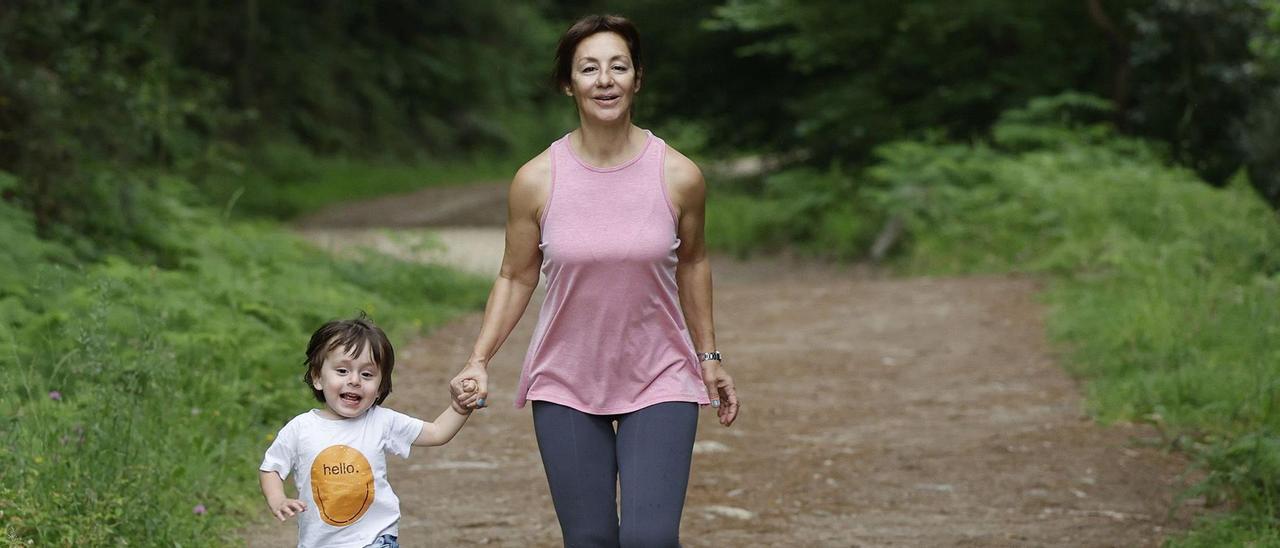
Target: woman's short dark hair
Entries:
(353, 336)
(561, 74)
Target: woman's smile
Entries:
(608, 100)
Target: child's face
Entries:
(350, 385)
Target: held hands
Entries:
(286, 508)
(720, 390)
(469, 388)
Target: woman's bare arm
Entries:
(517, 278)
(688, 192)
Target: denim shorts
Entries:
(384, 541)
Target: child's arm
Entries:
(440, 431)
(273, 489)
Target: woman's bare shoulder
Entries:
(683, 177)
(535, 172)
(531, 184)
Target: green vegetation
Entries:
(806, 208)
(287, 181)
(846, 77)
(94, 95)
(138, 394)
(1164, 292)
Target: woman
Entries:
(614, 218)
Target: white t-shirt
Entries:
(341, 472)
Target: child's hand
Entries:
(469, 386)
(288, 508)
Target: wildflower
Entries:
(199, 510)
(55, 395)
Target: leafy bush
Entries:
(814, 210)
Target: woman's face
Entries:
(604, 81)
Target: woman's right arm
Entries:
(518, 277)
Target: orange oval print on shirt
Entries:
(342, 485)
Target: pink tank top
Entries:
(611, 337)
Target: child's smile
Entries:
(351, 398)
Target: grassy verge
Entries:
(287, 180)
(141, 398)
(1165, 292)
(281, 179)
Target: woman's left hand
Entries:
(474, 376)
(720, 389)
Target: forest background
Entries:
(150, 154)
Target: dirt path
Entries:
(876, 412)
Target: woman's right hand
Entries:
(463, 400)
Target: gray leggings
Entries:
(648, 454)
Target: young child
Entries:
(338, 452)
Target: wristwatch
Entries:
(713, 355)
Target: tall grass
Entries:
(1165, 291)
(139, 399)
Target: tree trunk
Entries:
(1120, 67)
